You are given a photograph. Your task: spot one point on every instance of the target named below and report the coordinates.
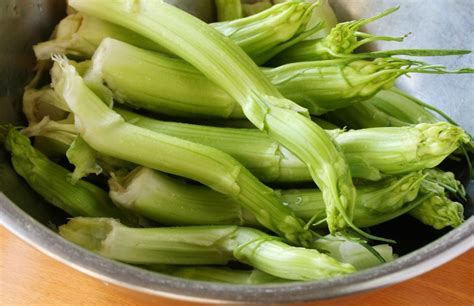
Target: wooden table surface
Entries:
(28, 277)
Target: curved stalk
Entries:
(228, 66)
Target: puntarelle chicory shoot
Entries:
(393, 107)
(271, 162)
(201, 245)
(345, 250)
(402, 106)
(376, 202)
(171, 201)
(106, 132)
(54, 184)
(227, 65)
(323, 86)
(417, 147)
(261, 36)
(265, 158)
(174, 87)
(269, 32)
(344, 39)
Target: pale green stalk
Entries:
(402, 106)
(351, 251)
(370, 151)
(228, 9)
(205, 245)
(174, 87)
(411, 109)
(166, 245)
(363, 115)
(223, 62)
(260, 154)
(218, 274)
(167, 85)
(106, 132)
(53, 182)
(267, 159)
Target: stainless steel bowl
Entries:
(439, 24)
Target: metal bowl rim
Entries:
(47, 241)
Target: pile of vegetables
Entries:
(262, 139)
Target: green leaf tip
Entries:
(83, 157)
(439, 212)
(344, 38)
